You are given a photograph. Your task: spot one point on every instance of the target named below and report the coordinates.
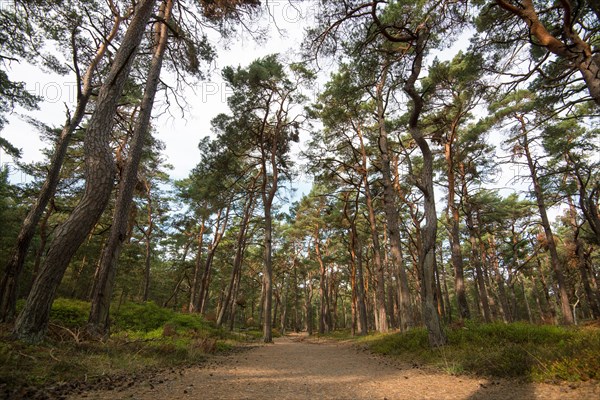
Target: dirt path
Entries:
(294, 368)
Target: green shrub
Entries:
(144, 317)
(414, 341)
(522, 350)
(70, 313)
(187, 322)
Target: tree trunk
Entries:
(234, 303)
(148, 244)
(447, 296)
(10, 280)
(297, 316)
(98, 321)
(268, 277)
(323, 294)
(390, 207)
(381, 315)
(576, 52)
(32, 323)
(438, 291)
(285, 288)
(220, 226)
(582, 262)
(308, 306)
(43, 233)
(567, 314)
(194, 304)
(360, 294)
(239, 253)
(476, 258)
(427, 260)
(268, 196)
(551, 308)
(506, 315)
(453, 218)
(526, 301)
(359, 309)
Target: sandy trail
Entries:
(294, 368)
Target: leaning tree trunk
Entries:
(32, 323)
(10, 280)
(220, 226)
(427, 260)
(565, 307)
(567, 45)
(98, 322)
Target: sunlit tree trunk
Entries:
(567, 44)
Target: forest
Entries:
(443, 190)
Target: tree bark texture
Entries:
(100, 302)
(32, 323)
(573, 49)
(390, 207)
(427, 260)
(10, 280)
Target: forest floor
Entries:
(299, 367)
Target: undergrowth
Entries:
(144, 336)
(531, 352)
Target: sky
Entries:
(181, 132)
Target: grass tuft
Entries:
(145, 337)
(518, 350)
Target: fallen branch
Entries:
(75, 335)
